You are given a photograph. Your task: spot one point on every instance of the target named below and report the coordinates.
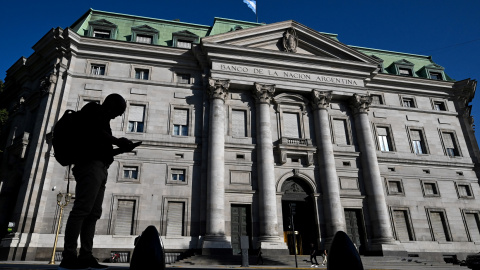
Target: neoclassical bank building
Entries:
(239, 122)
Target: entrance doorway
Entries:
(240, 225)
(355, 227)
(306, 230)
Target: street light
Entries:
(62, 205)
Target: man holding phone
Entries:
(90, 171)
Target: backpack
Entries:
(66, 137)
(148, 252)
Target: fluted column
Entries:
(215, 230)
(334, 214)
(265, 164)
(380, 220)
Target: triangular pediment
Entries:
(184, 33)
(103, 22)
(144, 28)
(290, 37)
(403, 62)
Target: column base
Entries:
(216, 245)
(272, 245)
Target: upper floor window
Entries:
(384, 139)
(402, 67)
(136, 118)
(418, 141)
(144, 39)
(180, 122)
(144, 34)
(433, 71)
(183, 78)
(408, 102)
(184, 44)
(291, 125)
(130, 172)
(405, 72)
(178, 175)
(377, 99)
(450, 144)
(436, 76)
(239, 123)
(184, 39)
(102, 29)
(142, 74)
(97, 69)
(341, 132)
(439, 106)
(101, 34)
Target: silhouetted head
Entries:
(114, 105)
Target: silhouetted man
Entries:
(90, 171)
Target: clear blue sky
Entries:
(447, 30)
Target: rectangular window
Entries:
(451, 148)
(175, 220)
(384, 139)
(408, 102)
(402, 225)
(405, 72)
(436, 76)
(464, 191)
(101, 34)
(377, 99)
(418, 142)
(178, 175)
(291, 125)
(473, 222)
(180, 122)
(395, 187)
(125, 217)
(430, 189)
(340, 130)
(439, 106)
(439, 226)
(184, 44)
(136, 118)
(97, 69)
(183, 78)
(141, 74)
(239, 123)
(144, 39)
(130, 172)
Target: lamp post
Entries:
(68, 196)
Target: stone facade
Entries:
(238, 121)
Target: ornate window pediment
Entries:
(102, 29)
(403, 68)
(184, 39)
(433, 71)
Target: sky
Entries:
(447, 30)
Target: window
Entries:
(377, 99)
(340, 130)
(464, 190)
(144, 39)
(178, 175)
(439, 106)
(418, 142)
(291, 125)
(403, 230)
(183, 78)
(97, 69)
(472, 223)
(130, 172)
(141, 74)
(101, 34)
(405, 72)
(180, 122)
(408, 102)
(394, 187)
(384, 139)
(450, 144)
(239, 123)
(136, 118)
(184, 44)
(430, 189)
(175, 218)
(439, 226)
(184, 39)
(125, 217)
(436, 75)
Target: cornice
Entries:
(395, 82)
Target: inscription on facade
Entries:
(287, 74)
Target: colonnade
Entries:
(268, 220)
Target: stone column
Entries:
(263, 94)
(215, 227)
(380, 220)
(334, 215)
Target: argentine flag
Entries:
(251, 4)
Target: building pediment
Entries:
(290, 37)
(144, 28)
(104, 23)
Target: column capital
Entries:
(361, 103)
(321, 99)
(263, 93)
(218, 88)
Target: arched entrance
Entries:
(297, 191)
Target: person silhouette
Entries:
(313, 255)
(90, 171)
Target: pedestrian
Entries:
(313, 255)
(259, 256)
(90, 171)
(324, 257)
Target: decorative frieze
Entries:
(321, 99)
(218, 88)
(263, 93)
